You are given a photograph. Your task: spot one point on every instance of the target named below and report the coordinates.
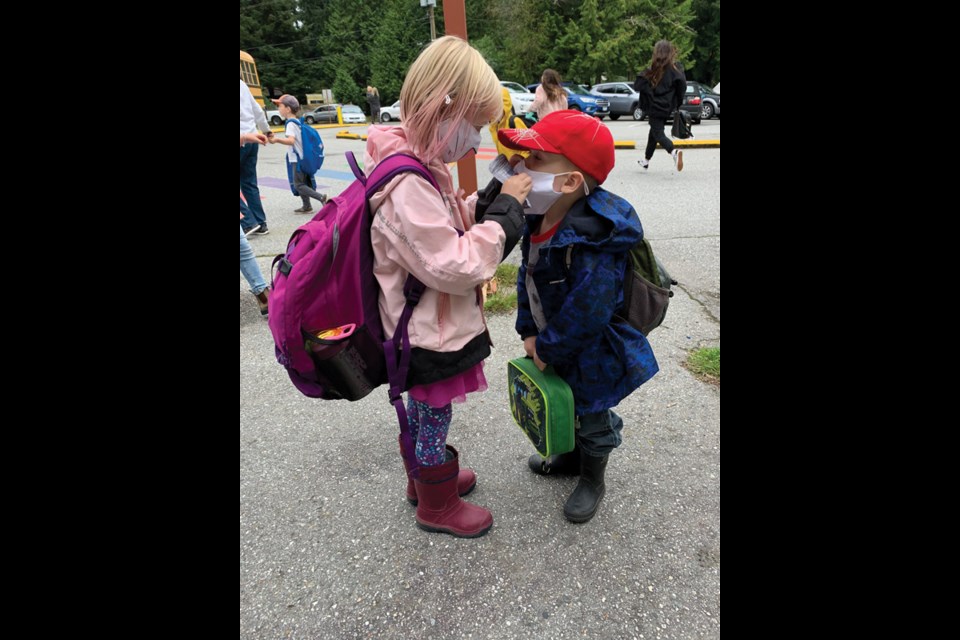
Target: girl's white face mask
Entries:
(542, 194)
(465, 138)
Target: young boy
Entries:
(567, 315)
(289, 107)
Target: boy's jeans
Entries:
(599, 433)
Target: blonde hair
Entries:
(447, 70)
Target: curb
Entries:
(684, 144)
(324, 126)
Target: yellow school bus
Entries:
(248, 73)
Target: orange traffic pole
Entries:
(455, 24)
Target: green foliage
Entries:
(403, 32)
(706, 46)
(500, 302)
(507, 274)
(303, 46)
(346, 91)
(706, 363)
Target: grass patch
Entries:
(506, 274)
(705, 363)
(501, 302)
(505, 299)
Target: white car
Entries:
(390, 113)
(352, 114)
(273, 117)
(519, 96)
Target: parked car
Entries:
(580, 100)
(709, 100)
(716, 89)
(325, 114)
(352, 114)
(623, 99)
(519, 96)
(390, 113)
(273, 117)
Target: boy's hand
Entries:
(530, 346)
(517, 186)
(537, 361)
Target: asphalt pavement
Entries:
(328, 543)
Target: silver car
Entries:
(623, 99)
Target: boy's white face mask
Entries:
(465, 138)
(542, 194)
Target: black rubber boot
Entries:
(565, 464)
(585, 499)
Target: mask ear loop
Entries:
(586, 189)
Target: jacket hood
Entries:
(602, 219)
(385, 141)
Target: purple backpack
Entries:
(324, 312)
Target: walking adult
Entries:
(252, 118)
(661, 87)
(373, 99)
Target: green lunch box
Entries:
(542, 406)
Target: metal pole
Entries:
(455, 24)
(433, 27)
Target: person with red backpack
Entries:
(451, 245)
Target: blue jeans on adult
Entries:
(249, 267)
(599, 433)
(253, 210)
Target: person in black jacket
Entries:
(661, 88)
(373, 99)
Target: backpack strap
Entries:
(413, 290)
(299, 123)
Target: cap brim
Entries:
(525, 140)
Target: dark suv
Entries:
(709, 101)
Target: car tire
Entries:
(576, 107)
(384, 117)
(706, 111)
(276, 121)
(638, 113)
(614, 116)
(309, 120)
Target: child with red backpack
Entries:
(303, 183)
(452, 245)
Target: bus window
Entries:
(248, 73)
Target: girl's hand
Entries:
(518, 186)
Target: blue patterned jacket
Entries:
(602, 359)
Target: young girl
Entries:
(451, 245)
(550, 95)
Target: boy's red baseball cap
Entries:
(581, 139)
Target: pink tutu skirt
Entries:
(454, 389)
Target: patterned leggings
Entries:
(428, 428)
